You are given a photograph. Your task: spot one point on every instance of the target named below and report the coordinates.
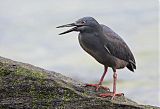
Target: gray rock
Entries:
(24, 86)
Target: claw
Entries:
(111, 95)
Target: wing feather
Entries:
(117, 47)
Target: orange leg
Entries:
(99, 85)
(113, 94)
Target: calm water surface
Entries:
(28, 34)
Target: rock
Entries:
(24, 86)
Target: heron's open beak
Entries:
(74, 25)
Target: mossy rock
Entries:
(23, 86)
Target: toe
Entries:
(106, 95)
(119, 94)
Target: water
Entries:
(28, 34)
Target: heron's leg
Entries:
(99, 85)
(113, 94)
(101, 80)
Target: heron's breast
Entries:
(93, 46)
(89, 43)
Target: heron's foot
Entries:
(104, 95)
(97, 86)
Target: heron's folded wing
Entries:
(116, 46)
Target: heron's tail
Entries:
(131, 65)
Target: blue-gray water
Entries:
(28, 34)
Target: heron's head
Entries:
(85, 24)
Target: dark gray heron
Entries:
(105, 46)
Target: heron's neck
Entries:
(98, 29)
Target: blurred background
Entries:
(28, 34)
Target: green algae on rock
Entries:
(29, 87)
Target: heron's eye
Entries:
(83, 22)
